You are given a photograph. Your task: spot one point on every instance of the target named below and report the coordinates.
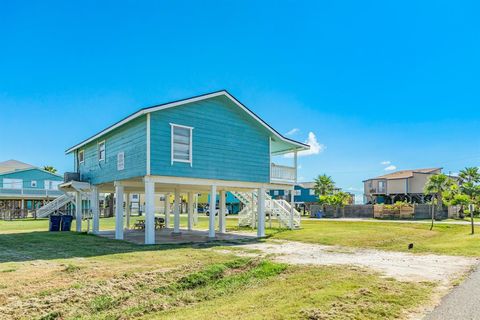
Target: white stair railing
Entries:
(279, 209)
(55, 205)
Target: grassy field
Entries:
(78, 276)
(443, 239)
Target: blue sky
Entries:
(374, 81)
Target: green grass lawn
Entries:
(443, 239)
(67, 275)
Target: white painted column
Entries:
(167, 210)
(261, 212)
(190, 211)
(78, 211)
(212, 206)
(292, 204)
(222, 213)
(254, 216)
(176, 212)
(195, 210)
(149, 212)
(119, 210)
(128, 210)
(94, 205)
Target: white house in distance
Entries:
(399, 186)
(210, 143)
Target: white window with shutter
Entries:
(311, 192)
(121, 161)
(181, 143)
(101, 151)
(81, 156)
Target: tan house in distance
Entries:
(399, 186)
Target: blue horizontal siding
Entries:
(29, 175)
(228, 144)
(130, 139)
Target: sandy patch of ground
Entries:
(399, 265)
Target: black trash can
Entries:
(55, 223)
(67, 223)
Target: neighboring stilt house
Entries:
(24, 188)
(206, 144)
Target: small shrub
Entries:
(51, 316)
(103, 302)
(71, 268)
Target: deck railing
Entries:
(279, 173)
(30, 192)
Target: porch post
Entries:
(190, 210)
(261, 212)
(149, 212)
(119, 210)
(95, 209)
(254, 215)
(78, 210)
(292, 206)
(167, 210)
(222, 213)
(176, 212)
(128, 210)
(212, 206)
(195, 210)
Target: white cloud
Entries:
(315, 147)
(292, 132)
(385, 163)
(390, 168)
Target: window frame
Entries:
(33, 184)
(172, 153)
(81, 152)
(104, 151)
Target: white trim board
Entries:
(301, 146)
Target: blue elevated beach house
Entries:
(206, 144)
(24, 188)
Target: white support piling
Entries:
(176, 212)
(167, 210)
(119, 191)
(149, 212)
(261, 212)
(78, 211)
(212, 207)
(191, 205)
(94, 205)
(222, 212)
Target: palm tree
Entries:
(469, 174)
(436, 185)
(50, 169)
(324, 185)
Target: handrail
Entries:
(31, 191)
(282, 172)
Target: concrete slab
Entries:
(166, 236)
